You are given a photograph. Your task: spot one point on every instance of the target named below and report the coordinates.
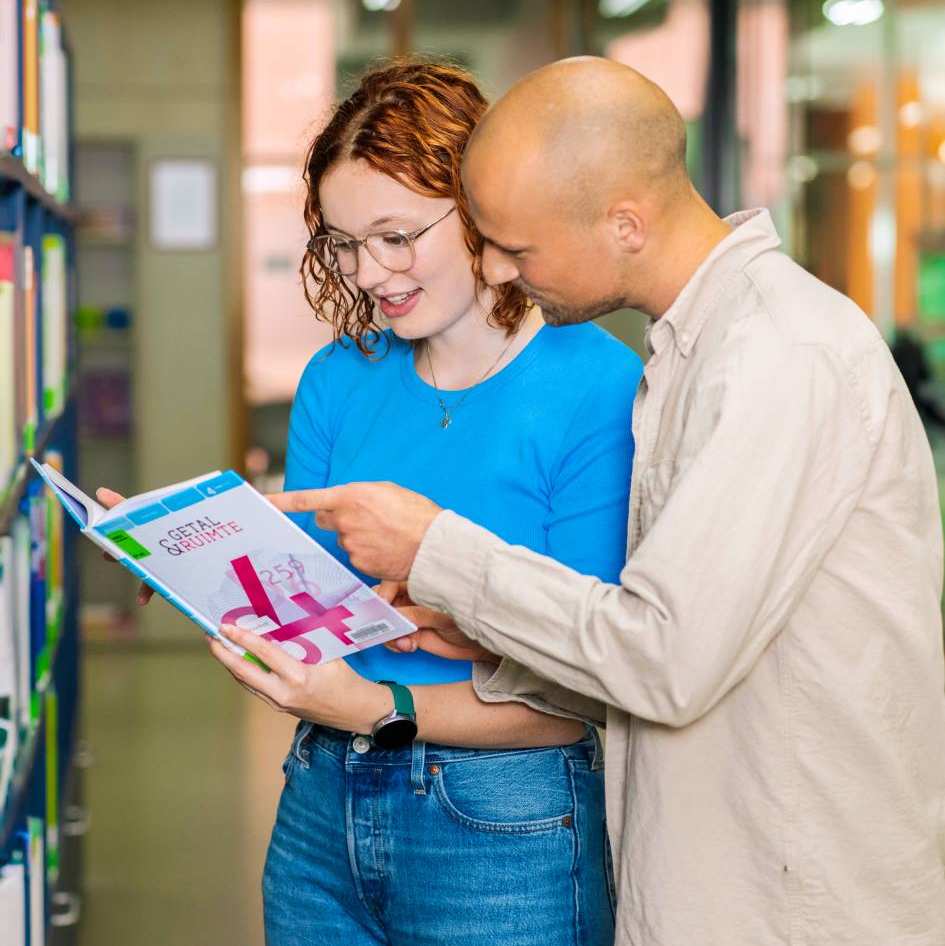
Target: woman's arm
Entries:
(452, 714)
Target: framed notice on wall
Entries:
(182, 204)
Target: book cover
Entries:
(30, 381)
(9, 75)
(220, 552)
(8, 433)
(31, 156)
(21, 557)
(13, 903)
(54, 324)
(9, 685)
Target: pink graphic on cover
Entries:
(289, 611)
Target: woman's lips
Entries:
(396, 310)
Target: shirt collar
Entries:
(752, 233)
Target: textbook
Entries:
(218, 551)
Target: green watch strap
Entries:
(403, 698)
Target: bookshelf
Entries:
(40, 818)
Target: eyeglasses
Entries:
(393, 249)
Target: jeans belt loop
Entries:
(597, 759)
(417, 767)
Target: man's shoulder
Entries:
(800, 309)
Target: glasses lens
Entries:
(336, 255)
(392, 250)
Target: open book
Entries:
(220, 552)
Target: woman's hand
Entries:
(436, 633)
(108, 498)
(331, 694)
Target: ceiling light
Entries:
(910, 114)
(613, 8)
(376, 6)
(864, 140)
(853, 12)
(861, 175)
(802, 168)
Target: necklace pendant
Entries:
(447, 420)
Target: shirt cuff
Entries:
(450, 566)
(510, 682)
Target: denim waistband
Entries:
(341, 746)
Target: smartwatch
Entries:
(399, 727)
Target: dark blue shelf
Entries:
(13, 173)
(9, 500)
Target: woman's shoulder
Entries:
(341, 360)
(588, 346)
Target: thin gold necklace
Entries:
(447, 418)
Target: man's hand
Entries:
(436, 632)
(379, 525)
(108, 498)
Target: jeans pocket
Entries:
(297, 753)
(507, 792)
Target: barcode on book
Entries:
(369, 632)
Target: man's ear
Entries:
(627, 226)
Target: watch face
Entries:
(398, 732)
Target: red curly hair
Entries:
(408, 119)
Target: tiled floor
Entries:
(182, 792)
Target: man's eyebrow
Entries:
(505, 249)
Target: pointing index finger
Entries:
(308, 500)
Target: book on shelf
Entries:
(9, 682)
(55, 324)
(9, 75)
(13, 899)
(36, 881)
(22, 560)
(217, 550)
(29, 380)
(30, 79)
(53, 100)
(9, 452)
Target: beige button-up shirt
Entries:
(771, 661)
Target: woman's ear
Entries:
(627, 226)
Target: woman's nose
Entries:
(370, 272)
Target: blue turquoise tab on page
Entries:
(183, 499)
(220, 484)
(148, 514)
(113, 525)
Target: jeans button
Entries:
(361, 744)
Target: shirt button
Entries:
(361, 744)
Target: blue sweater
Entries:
(539, 453)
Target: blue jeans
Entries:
(437, 846)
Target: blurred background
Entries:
(191, 328)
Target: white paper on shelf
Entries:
(13, 904)
(9, 75)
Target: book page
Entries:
(233, 558)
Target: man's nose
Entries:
(370, 272)
(497, 267)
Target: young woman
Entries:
(488, 828)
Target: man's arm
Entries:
(747, 520)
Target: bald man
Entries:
(771, 662)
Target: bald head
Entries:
(582, 132)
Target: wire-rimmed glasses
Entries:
(392, 249)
